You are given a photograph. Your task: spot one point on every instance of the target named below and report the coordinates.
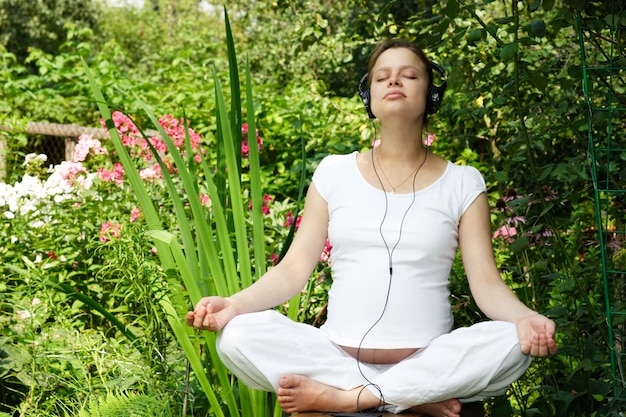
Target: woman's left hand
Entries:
(536, 335)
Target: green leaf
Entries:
(538, 80)
(547, 5)
(501, 176)
(538, 28)
(534, 6)
(475, 35)
(544, 174)
(452, 8)
(508, 51)
(519, 245)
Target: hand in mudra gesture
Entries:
(211, 313)
(536, 335)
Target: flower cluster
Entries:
(88, 145)
(245, 146)
(33, 195)
(34, 165)
(110, 230)
(142, 149)
(508, 206)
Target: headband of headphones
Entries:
(434, 95)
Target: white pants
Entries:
(470, 363)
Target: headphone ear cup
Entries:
(364, 93)
(434, 95)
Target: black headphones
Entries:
(434, 95)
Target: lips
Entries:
(394, 94)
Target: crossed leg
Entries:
(311, 373)
(298, 393)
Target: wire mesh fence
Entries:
(56, 141)
(602, 35)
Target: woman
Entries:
(395, 216)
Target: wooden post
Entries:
(70, 146)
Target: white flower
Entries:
(37, 224)
(23, 314)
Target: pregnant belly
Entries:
(379, 356)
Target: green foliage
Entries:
(513, 109)
(42, 24)
(128, 404)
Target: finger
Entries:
(189, 318)
(534, 346)
(553, 348)
(525, 346)
(543, 345)
(208, 321)
(203, 303)
(198, 317)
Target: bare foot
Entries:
(447, 408)
(298, 393)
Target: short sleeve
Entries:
(473, 186)
(325, 174)
(320, 178)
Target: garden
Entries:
(211, 120)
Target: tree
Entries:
(41, 24)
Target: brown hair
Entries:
(386, 44)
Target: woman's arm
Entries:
(494, 298)
(292, 273)
(278, 284)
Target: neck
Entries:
(401, 143)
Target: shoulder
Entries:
(465, 174)
(331, 163)
(337, 159)
(329, 169)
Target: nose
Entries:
(393, 81)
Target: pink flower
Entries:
(267, 199)
(86, 145)
(135, 214)
(430, 139)
(204, 199)
(274, 258)
(325, 256)
(109, 231)
(70, 172)
(289, 220)
(506, 232)
(150, 174)
(175, 129)
(115, 175)
(516, 220)
(245, 146)
(123, 124)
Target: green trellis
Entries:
(602, 35)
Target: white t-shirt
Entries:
(416, 298)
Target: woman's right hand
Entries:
(211, 313)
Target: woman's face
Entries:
(398, 85)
